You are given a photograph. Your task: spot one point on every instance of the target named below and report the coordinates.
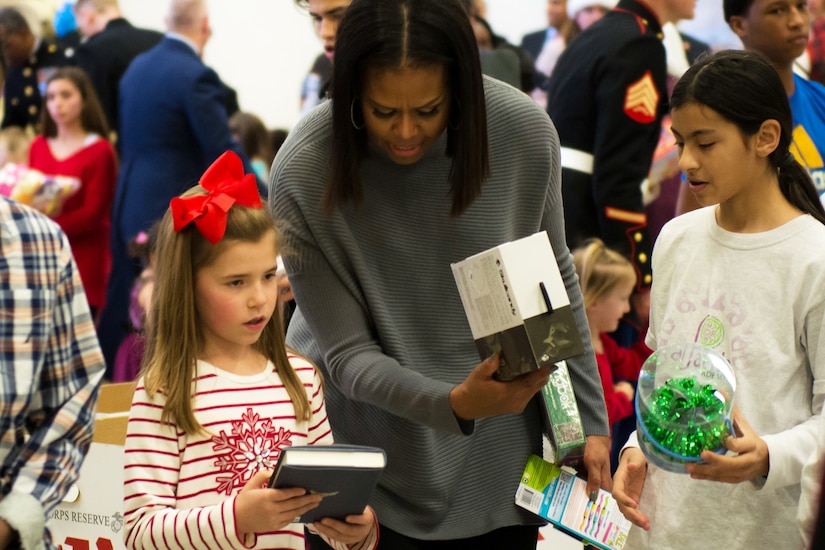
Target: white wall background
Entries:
(264, 48)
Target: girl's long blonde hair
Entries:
(174, 337)
(601, 270)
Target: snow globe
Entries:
(684, 403)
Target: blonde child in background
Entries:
(14, 157)
(220, 394)
(607, 280)
(14, 146)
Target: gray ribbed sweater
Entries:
(380, 313)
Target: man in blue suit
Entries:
(533, 42)
(173, 125)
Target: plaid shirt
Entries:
(50, 369)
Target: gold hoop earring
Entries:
(352, 115)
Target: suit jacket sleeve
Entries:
(101, 81)
(208, 119)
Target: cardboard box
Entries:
(561, 418)
(91, 515)
(517, 305)
(559, 496)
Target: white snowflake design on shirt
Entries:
(254, 444)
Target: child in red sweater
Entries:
(607, 280)
(74, 144)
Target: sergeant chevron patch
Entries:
(641, 100)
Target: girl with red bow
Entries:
(220, 394)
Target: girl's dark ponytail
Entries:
(796, 185)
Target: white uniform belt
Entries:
(575, 159)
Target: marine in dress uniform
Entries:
(607, 98)
(26, 85)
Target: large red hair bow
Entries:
(226, 185)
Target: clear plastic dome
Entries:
(684, 403)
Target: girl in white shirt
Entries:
(745, 275)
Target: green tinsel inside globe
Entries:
(686, 418)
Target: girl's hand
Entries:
(628, 482)
(259, 509)
(625, 387)
(750, 460)
(481, 395)
(355, 529)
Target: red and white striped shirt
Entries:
(180, 489)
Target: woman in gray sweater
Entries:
(418, 162)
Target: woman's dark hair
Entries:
(388, 34)
(745, 89)
(92, 118)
